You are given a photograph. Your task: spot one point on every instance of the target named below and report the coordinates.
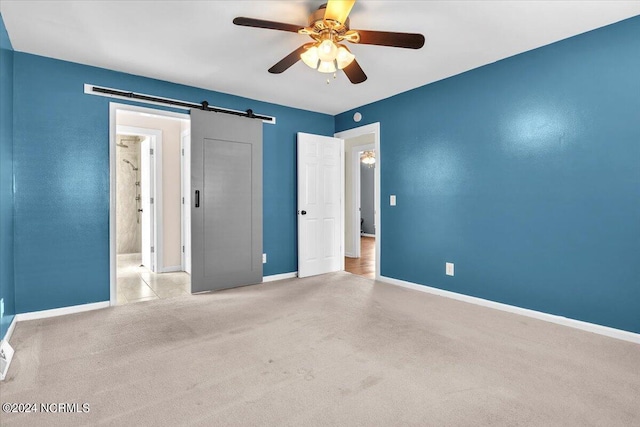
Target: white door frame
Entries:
(373, 128)
(113, 131)
(356, 212)
(185, 211)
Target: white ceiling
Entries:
(195, 42)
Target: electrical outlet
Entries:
(449, 268)
(392, 200)
(264, 258)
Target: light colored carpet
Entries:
(337, 349)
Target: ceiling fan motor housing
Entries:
(319, 24)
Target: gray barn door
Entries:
(226, 201)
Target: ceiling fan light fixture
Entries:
(327, 67)
(344, 57)
(310, 57)
(327, 51)
(368, 158)
(328, 26)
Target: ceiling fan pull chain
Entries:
(334, 77)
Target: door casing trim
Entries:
(113, 109)
(373, 128)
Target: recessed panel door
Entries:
(226, 201)
(320, 211)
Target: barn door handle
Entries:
(197, 198)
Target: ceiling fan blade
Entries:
(288, 60)
(269, 25)
(385, 38)
(355, 73)
(338, 10)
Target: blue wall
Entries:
(526, 174)
(61, 163)
(6, 179)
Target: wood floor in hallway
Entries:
(365, 265)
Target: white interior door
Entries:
(147, 217)
(320, 204)
(185, 145)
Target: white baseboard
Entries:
(171, 269)
(367, 235)
(282, 276)
(60, 311)
(349, 254)
(560, 320)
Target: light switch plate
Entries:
(392, 200)
(264, 258)
(449, 268)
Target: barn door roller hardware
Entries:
(204, 105)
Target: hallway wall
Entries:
(367, 197)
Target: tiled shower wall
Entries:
(128, 230)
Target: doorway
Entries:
(362, 226)
(363, 211)
(146, 220)
(136, 185)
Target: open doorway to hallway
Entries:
(361, 199)
(147, 214)
(365, 265)
(363, 203)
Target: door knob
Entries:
(303, 213)
(139, 210)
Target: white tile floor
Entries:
(136, 283)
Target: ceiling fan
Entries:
(328, 27)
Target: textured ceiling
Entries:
(195, 42)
